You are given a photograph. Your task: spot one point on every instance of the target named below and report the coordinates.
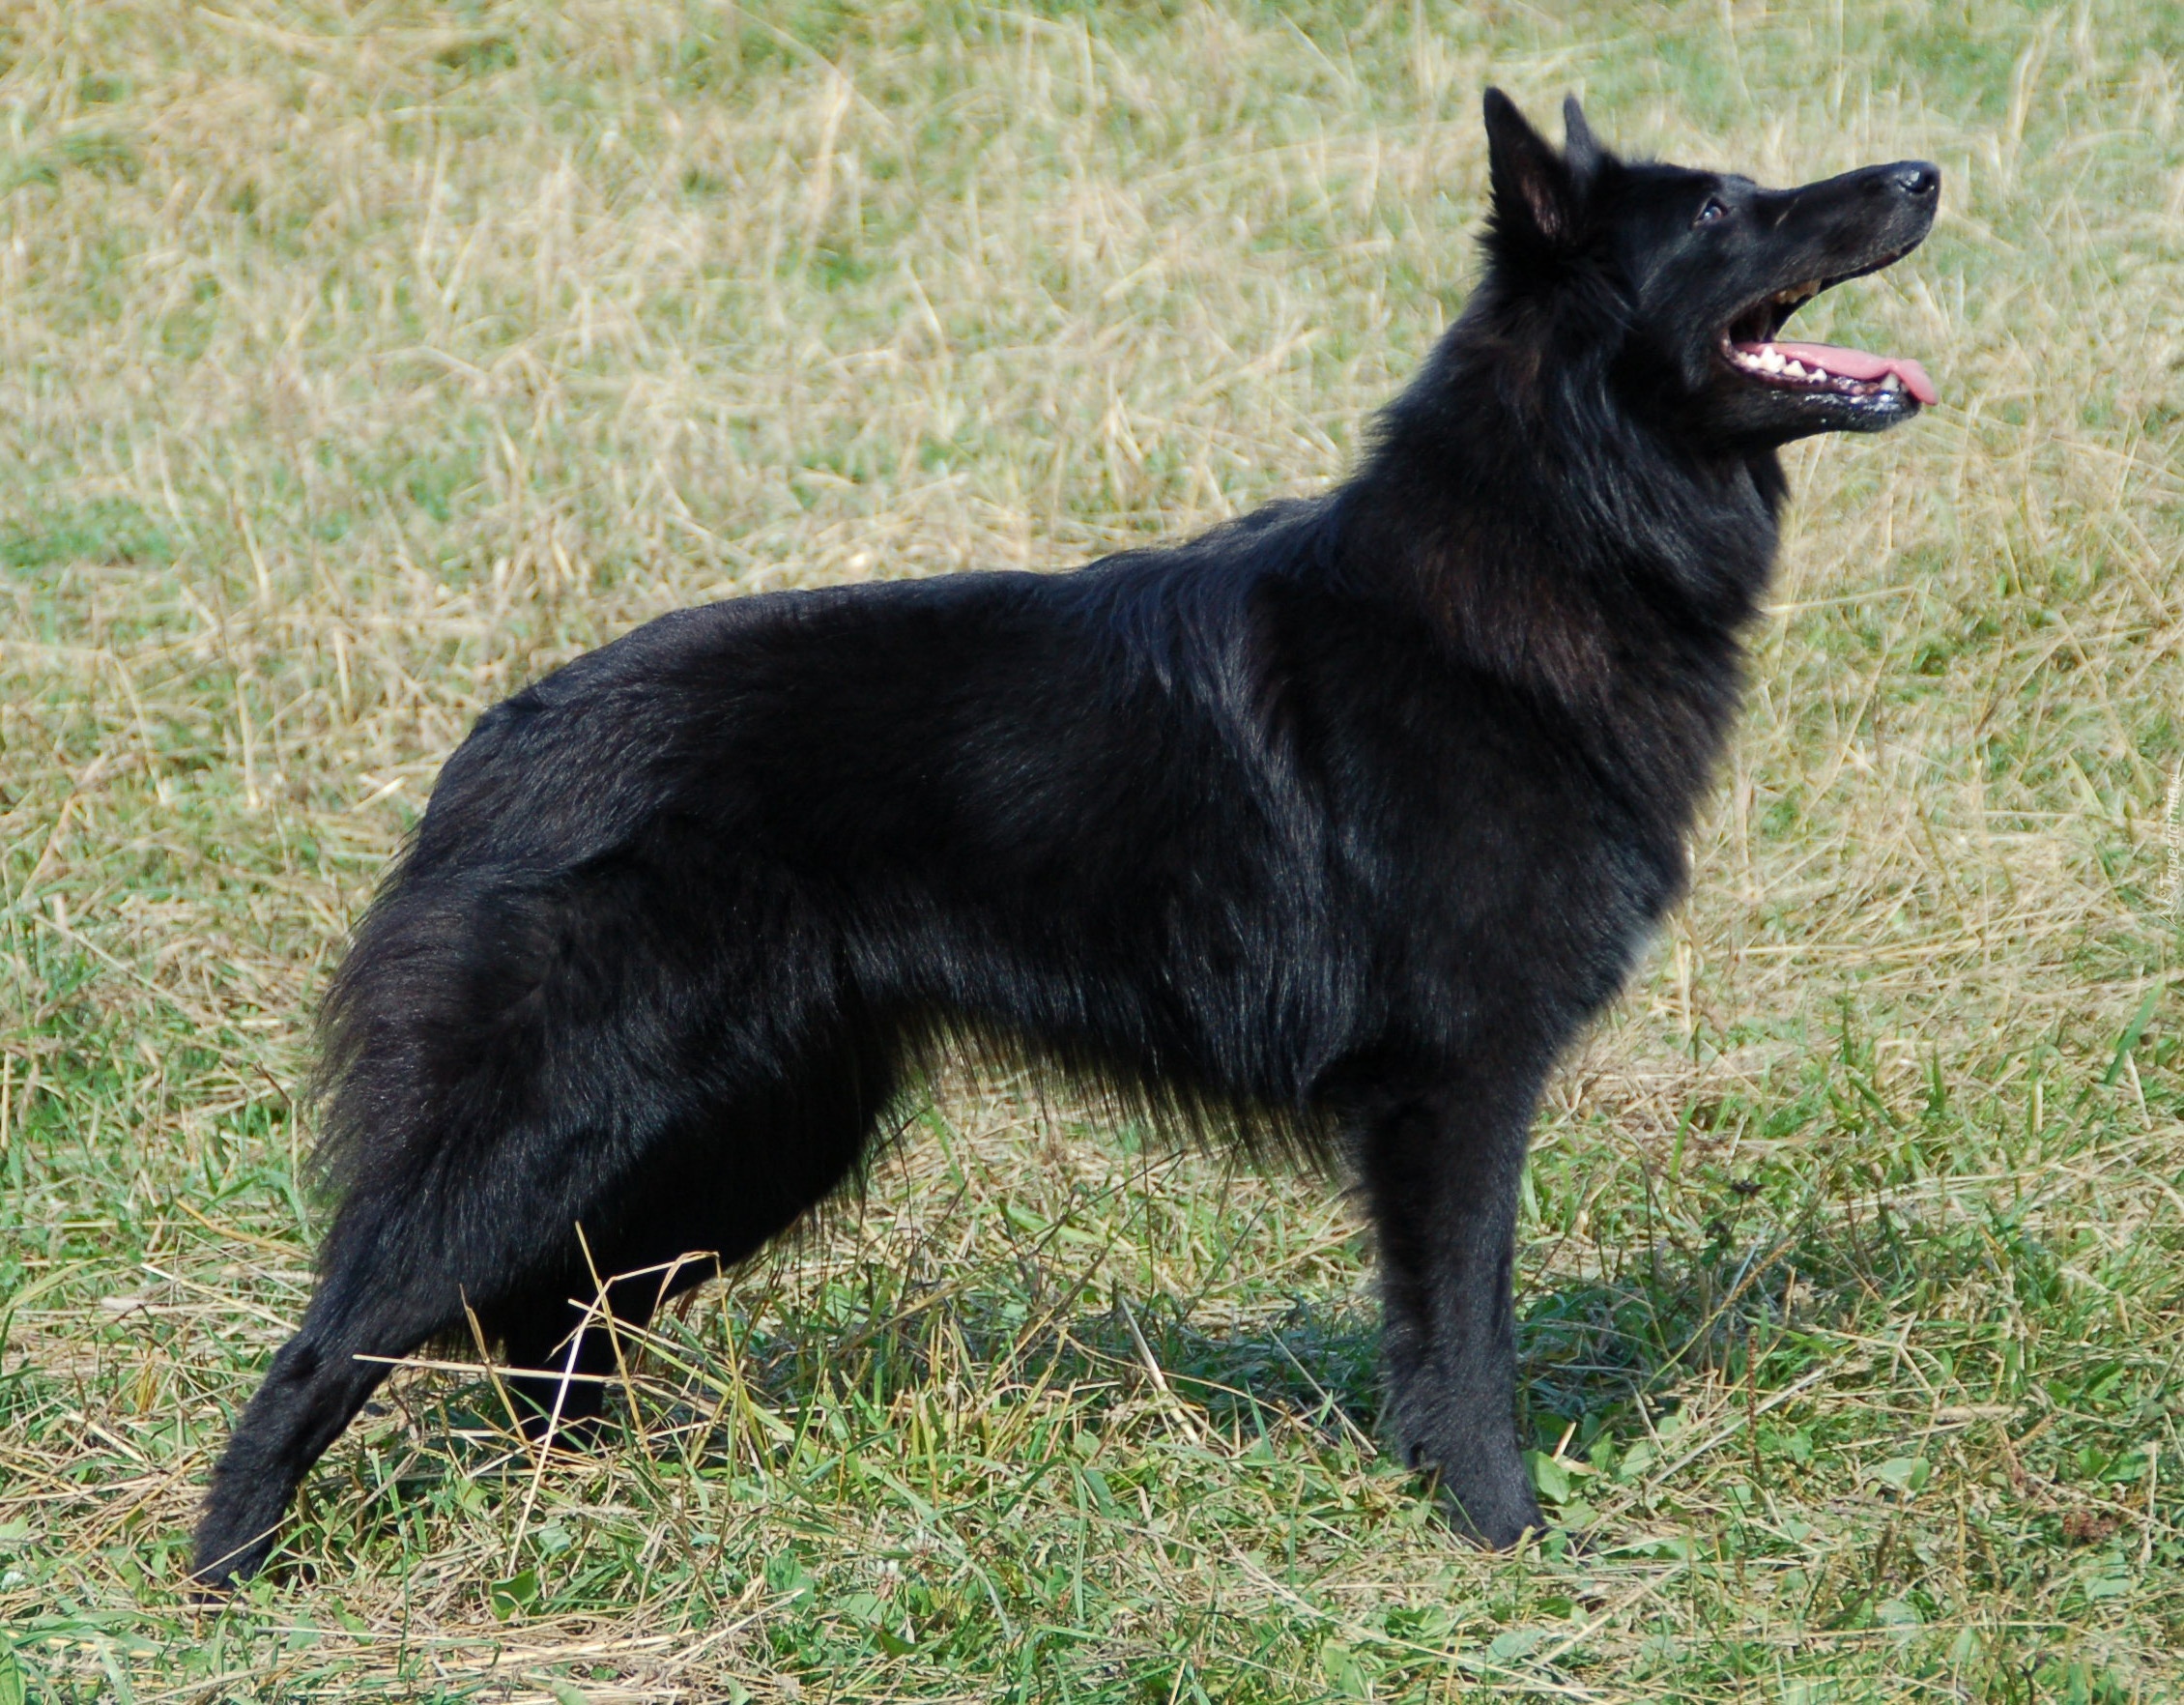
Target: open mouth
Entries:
(1750, 346)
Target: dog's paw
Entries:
(1491, 1505)
(1495, 1524)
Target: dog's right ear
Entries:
(1535, 198)
(1582, 152)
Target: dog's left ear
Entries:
(1537, 198)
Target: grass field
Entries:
(359, 362)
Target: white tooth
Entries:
(1891, 383)
(1771, 360)
(1792, 371)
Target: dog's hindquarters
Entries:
(539, 1077)
(516, 1228)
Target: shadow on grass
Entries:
(1590, 1350)
(1612, 1352)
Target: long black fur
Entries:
(1331, 828)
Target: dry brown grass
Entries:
(358, 364)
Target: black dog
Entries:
(1331, 827)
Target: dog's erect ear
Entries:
(1582, 152)
(1534, 194)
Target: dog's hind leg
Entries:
(1442, 1171)
(704, 1200)
(396, 1274)
(372, 1305)
(564, 1349)
(408, 1256)
(401, 1265)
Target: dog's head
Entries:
(1699, 271)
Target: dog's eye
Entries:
(1715, 210)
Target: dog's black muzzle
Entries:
(1847, 226)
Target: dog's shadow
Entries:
(1591, 1353)
(1312, 1365)
(1588, 1352)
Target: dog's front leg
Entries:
(1442, 1172)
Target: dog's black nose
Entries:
(1915, 178)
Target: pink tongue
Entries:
(1856, 363)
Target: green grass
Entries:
(358, 365)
